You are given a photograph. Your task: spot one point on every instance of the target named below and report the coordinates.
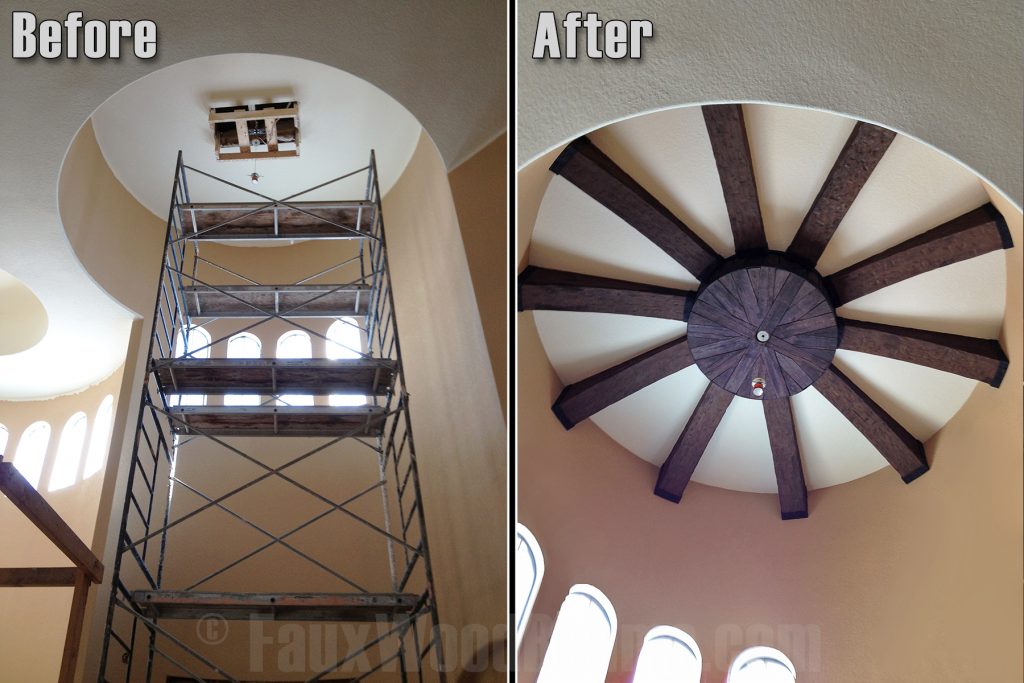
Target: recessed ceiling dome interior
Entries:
(342, 117)
(906, 189)
(22, 316)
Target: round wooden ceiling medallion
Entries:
(763, 327)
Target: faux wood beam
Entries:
(543, 289)
(579, 401)
(789, 471)
(975, 233)
(35, 507)
(589, 169)
(38, 577)
(896, 444)
(73, 637)
(980, 359)
(855, 163)
(728, 134)
(677, 469)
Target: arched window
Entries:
(345, 340)
(32, 452)
(668, 655)
(581, 643)
(69, 453)
(529, 572)
(99, 442)
(243, 345)
(295, 344)
(4, 434)
(192, 343)
(761, 665)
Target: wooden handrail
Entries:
(87, 570)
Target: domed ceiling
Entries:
(905, 189)
(341, 118)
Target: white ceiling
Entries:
(341, 118)
(912, 189)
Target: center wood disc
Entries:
(763, 321)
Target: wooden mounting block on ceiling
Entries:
(763, 324)
(262, 131)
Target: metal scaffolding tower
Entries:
(144, 637)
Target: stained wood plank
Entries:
(896, 444)
(256, 301)
(544, 289)
(854, 165)
(789, 471)
(282, 606)
(980, 359)
(267, 376)
(974, 233)
(682, 460)
(728, 134)
(279, 420)
(582, 399)
(589, 169)
(38, 576)
(255, 220)
(73, 637)
(39, 512)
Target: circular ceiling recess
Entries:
(765, 298)
(23, 317)
(341, 118)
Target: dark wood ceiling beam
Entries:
(974, 233)
(896, 444)
(589, 169)
(855, 163)
(980, 359)
(728, 134)
(789, 471)
(543, 289)
(582, 399)
(677, 469)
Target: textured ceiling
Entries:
(944, 71)
(913, 188)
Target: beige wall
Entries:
(883, 582)
(33, 620)
(479, 189)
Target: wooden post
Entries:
(74, 635)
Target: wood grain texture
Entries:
(543, 289)
(728, 134)
(73, 637)
(682, 460)
(980, 359)
(38, 576)
(789, 471)
(896, 444)
(589, 169)
(854, 165)
(46, 519)
(974, 233)
(742, 301)
(582, 399)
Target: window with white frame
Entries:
(581, 643)
(31, 453)
(345, 340)
(761, 665)
(243, 345)
(295, 344)
(193, 342)
(69, 452)
(668, 655)
(99, 440)
(529, 573)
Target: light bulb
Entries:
(255, 178)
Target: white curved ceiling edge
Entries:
(914, 188)
(406, 51)
(341, 116)
(943, 72)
